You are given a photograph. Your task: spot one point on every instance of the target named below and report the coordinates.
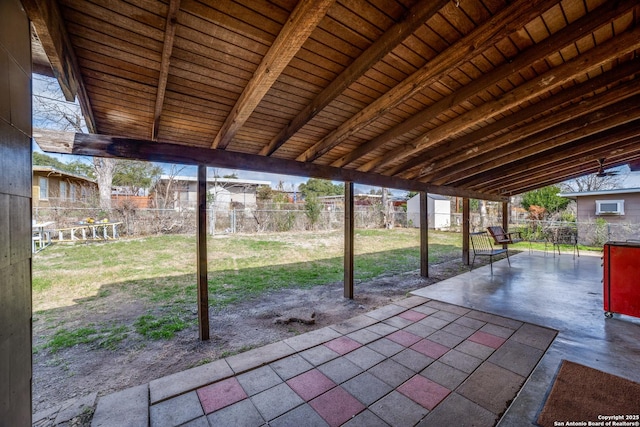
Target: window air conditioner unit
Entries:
(609, 207)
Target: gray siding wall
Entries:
(587, 208)
(15, 215)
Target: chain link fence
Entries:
(139, 222)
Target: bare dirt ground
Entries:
(83, 369)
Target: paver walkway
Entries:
(414, 362)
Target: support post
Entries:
(424, 235)
(465, 230)
(203, 283)
(348, 239)
(505, 219)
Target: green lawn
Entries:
(104, 293)
(162, 268)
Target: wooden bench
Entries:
(501, 237)
(481, 246)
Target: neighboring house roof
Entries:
(432, 197)
(216, 179)
(50, 170)
(600, 193)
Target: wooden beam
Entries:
(510, 19)
(562, 122)
(573, 169)
(554, 43)
(203, 282)
(584, 156)
(138, 149)
(544, 83)
(547, 162)
(420, 13)
(302, 22)
(47, 20)
(348, 239)
(579, 128)
(465, 230)
(424, 235)
(561, 134)
(469, 142)
(167, 48)
(572, 174)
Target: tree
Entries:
(547, 198)
(593, 182)
(45, 160)
(312, 208)
(135, 175)
(81, 168)
(164, 193)
(411, 194)
(320, 187)
(52, 111)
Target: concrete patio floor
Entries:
(454, 353)
(558, 292)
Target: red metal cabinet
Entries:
(622, 278)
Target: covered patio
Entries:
(454, 353)
(469, 98)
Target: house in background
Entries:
(619, 209)
(52, 187)
(180, 192)
(438, 211)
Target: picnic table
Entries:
(40, 235)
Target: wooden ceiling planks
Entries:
(446, 93)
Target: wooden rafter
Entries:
(578, 29)
(516, 176)
(554, 78)
(572, 173)
(557, 159)
(46, 19)
(303, 20)
(581, 127)
(167, 48)
(414, 18)
(468, 143)
(568, 169)
(509, 19)
(536, 133)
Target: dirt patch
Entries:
(83, 369)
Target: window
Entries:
(72, 192)
(44, 188)
(63, 190)
(609, 207)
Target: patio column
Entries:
(203, 283)
(465, 230)
(348, 239)
(15, 216)
(505, 219)
(424, 235)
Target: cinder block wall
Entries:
(15, 215)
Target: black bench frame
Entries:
(481, 245)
